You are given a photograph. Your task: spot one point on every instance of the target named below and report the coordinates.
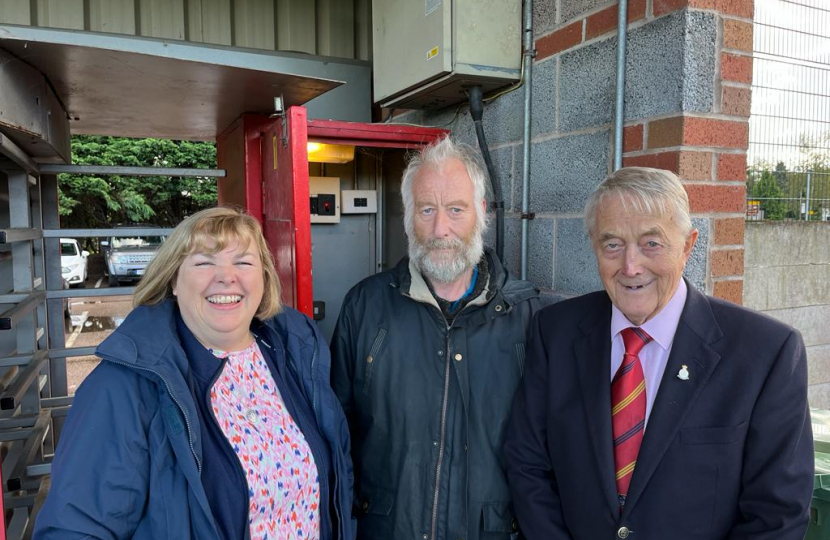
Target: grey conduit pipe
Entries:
(527, 58)
(619, 111)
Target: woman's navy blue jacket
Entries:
(131, 462)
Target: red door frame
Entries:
(291, 180)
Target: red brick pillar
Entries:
(708, 150)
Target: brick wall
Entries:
(687, 95)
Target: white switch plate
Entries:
(359, 201)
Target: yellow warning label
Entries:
(433, 52)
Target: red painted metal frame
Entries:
(337, 132)
(298, 150)
(286, 218)
(252, 127)
(277, 192)
(373, 135)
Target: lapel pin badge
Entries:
(683, 374)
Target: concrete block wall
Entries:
(687, 97)
(787, 277)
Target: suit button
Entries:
(365, 506)
(623, 532)
(458, 357)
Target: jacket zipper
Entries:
(187, 424)
(313, 389)
(331, 490)
(176, 401)
(444, 400)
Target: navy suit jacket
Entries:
(727, 454)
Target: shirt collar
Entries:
(662, 326)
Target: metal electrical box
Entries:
(324, 201)
(428, 52)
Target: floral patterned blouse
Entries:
(283, 484)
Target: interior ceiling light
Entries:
(330, 153)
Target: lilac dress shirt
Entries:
(655, 354)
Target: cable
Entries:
(476, 112)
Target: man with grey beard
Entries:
(425, 360)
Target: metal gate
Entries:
(33, 381)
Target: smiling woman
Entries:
(201, 418)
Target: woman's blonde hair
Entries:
(208, 231)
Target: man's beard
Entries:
(444, 260)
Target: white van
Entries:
(73, 262)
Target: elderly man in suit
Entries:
(649, 411)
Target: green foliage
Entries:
(781, 177)
(103, 201)
(770, 194)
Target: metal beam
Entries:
(13, 395)
(62, 401)
(131, 171)
(40, 469)
(18, 156)
(16, 298)
(17, 524)
(15, 463)
(15, 360)
(23, 421)
(9, 319)
(85, 293)
(40, 499)
(69, 353)
(8, 236)
(19, 501)
(100, 233)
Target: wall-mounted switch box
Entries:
(324, 192)
(360, 201)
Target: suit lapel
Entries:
(593, 351)
(675, 397)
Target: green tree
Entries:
(90, 201)
(781, 177)
(767, 190)
(815, 158)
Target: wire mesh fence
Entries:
(787, 195)
(789, 128)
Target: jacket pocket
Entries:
(376, 501)
(713, 435)
(498, 517)
(370, 360)
(520, 355)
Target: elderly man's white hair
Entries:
(436, 155)
(647, 191)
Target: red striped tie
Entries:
(628, 408)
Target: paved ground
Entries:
(93, 319)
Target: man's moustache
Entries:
(444, 244)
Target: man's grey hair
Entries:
(436, 155)
(647, 191)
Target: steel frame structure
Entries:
(33, 381)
